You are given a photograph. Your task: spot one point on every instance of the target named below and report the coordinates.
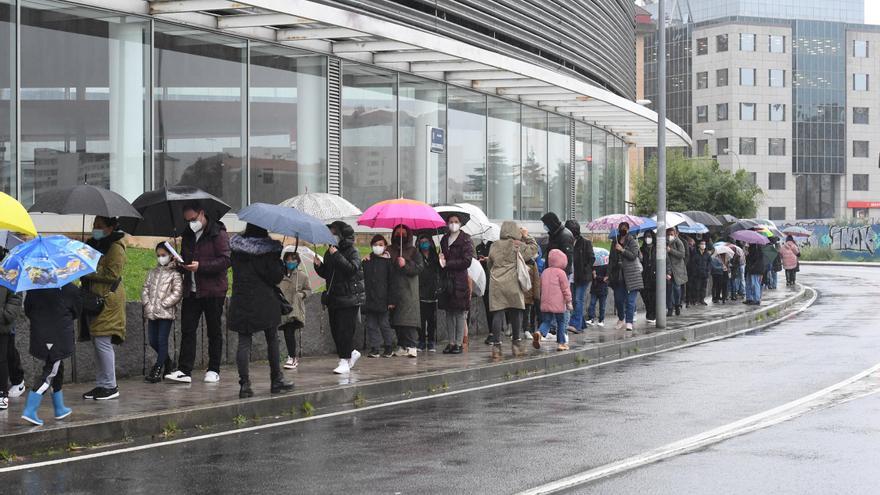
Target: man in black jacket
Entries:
(754, 274)
(582, 268)
(559, 238)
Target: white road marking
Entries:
(97, 455)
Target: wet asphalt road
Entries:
(510, 438)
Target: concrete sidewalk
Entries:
(146, 410)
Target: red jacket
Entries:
(555, 289)
(213, 254)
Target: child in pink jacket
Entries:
(555, 299)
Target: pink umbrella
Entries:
(610, 222)
(390, 213)
(749, 237)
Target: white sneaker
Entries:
(527, 335)
(291, 363)
(629, 327)
(591, 323)
(412, 352)
(178, 376)
(601, 324)
(650, 322)
(343, 367)
(4, 403)
(16, 390)
(355, 355)
(212, 377)
(400, 352)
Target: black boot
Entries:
(155, 374)
(245, 390)
(669, 312)
(279, 386)
(678, 310)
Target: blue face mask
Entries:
(425, 246)
(292, 265)
(98, 234)
(546, 229)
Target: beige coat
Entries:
(162, 291)
(504, 289)
(296, 288)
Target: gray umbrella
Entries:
(325, 206)
(287, 221)
(9, 240)
(707, 219)
(84, 199)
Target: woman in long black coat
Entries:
(255, 305)
(457, 252)
(649, 275)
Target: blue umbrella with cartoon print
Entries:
(47, 263)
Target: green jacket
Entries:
(111, 321)
(10, 310)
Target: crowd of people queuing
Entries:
(558, 286)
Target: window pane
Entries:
(199, 112)
(466, 170)
(860, 49)
(776, 181)
(504, 158)
(777, 146)
(722, 144)
(702, 46)
(598, 172)
(721, 77)
(83, 78)
(721, 111)
(422, 103)
(860, 82)
(534, 165)
(702, 113)
(776, 213)
(7, 105)
(288, 102)
(558, 158)
(702, 147)
(583, 162)
(746, 111)
(777, 78)
(702, 80)
(860, 182)
(369, 152)
(747, 42)
(721, 43)
(777, 112)
(777, 44)
(860, 149)
(746, 77)
(860, 115)
(747, 146)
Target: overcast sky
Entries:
(872, 12)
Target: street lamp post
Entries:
(728, 151)
(661, 165)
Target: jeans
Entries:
(428, 329)
(579, 293)
(720, 283)
(514, 316)
(625, 303)
(600, 298)
(342, 325)
(673, 295)
(753, 288)
(455, 320)
(105, 362)
(289, 330)
(190, 314)
(736, 282)
(771, 279)
(157, 332)
(547, 320)
(379, 331)
(243, 355)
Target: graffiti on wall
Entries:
(851, 241)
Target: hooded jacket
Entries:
(504, 286)
(162, 290)
(555, 289)
(559, 238)
(405, 282)
(584, 257)
(110, 322)
(429, 279)
(52, 313)
(625, 266)
(256, 271)
(295, 287)
(649, 262)
(789, 251)
(342, 271)
(755, 261)
(677, 266)
(212, 253)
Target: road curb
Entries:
(223, 414)
(841, 263)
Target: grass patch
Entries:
(7, 456)
(239, 420)
(360, 400)
(818, 253)
(171, 428)
(308, 409)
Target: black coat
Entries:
(560, 238)
(584, 257)
(256, 272)
(10, 310)
(649, 266)
(52, 313)
(700, 265)
(456, 294)
(343, 272)
(755, 261)
(377, 279)
(429, 279)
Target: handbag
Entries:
(522, 273)
(93, 304)
(286, 307)
(325, 296)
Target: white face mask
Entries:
(196, 226)
(163, 260)
(454, 227)
(702, 246)
(378, 250)
(649, 241)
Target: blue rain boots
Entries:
(61, 411)
(30, 408)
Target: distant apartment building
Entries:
(789, 99)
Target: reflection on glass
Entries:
(199, 114)
(583, 161)
(558, 163)
(598, 174)
(816, 196)
(82, 90)
(534, 165)
(466, 182)
(503, 153)
(422, 104)
(7, 106)
(288, 104)
(369, 152)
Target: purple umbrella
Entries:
(750, 237)
(610, 222)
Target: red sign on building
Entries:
(863, 204)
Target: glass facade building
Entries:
(134, 103)
(838, 10)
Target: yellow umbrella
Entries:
(14, 217)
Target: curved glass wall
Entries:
(421, 105)
(503, 155)
(534, 164)
(466, 150)
(558, 163)
(7, 93)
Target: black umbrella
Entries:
(726, 219)
(84, 199)
(707, 219)
(744, 224)
(162, 210)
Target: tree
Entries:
(698, 184)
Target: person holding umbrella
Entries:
(582, 268)
(790, 252)
(206, 260)
(345, 294)
(429, 287)
(676, 271)
(406, 264)
(106, 326)
(649, 276)
(755, 270)
(255, 306)
(456, 253)
(625, 276)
